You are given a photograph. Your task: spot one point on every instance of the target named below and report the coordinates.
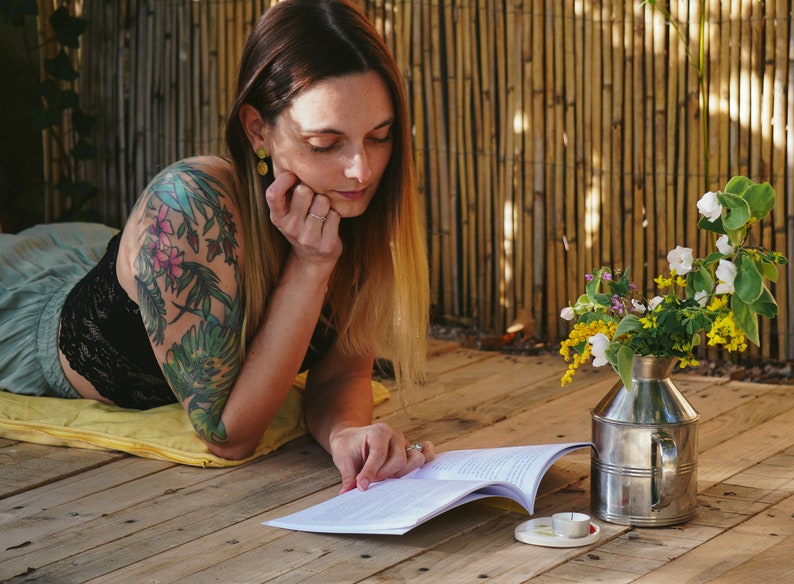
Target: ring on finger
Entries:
(418, 447)
(319, 218)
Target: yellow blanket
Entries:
(162, 433)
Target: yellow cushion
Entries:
(162, 433)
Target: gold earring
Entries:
(261, 166)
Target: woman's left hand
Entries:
(368, 454)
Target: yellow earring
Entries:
(261, 166)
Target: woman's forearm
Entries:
(273, 358)
(338, 402)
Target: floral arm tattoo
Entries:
(202, 366)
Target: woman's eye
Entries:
(318, 148)
(382, 139)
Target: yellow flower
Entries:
(717, 303)
(648, 321)
(725, 332)
(663, 282)
(579, 335)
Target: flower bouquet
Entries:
(720, 295)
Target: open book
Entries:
(394, 506)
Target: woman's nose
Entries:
(358, 167)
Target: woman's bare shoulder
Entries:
(188, 213)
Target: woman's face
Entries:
(336, 137)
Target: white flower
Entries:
(726, 273)
(709, 206)
(680, 260)
(567, 313)
(654, 302)
(724, 245)
(600, 343)
(701, 297)
(638, 306)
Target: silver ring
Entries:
(321, 219)
(417, 447)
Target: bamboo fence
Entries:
(551, 136)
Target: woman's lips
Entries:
(352, 194)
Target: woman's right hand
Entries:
(306, 219)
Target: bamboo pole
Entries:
(621, 193)
(635, 121)
(647, 144)
(555, 272)
(605, 163)
(526, 226)
(451, 141)
(430, 143)
(585, 206)
(541, 169)
(787, 206)
(471, 218)
(779, 164)
(501, 144)
(600, 211)
(568, 229)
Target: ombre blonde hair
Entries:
(379, 293)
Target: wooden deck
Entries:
(70, 515)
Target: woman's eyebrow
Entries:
(383, 124)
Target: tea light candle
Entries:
(570, 525)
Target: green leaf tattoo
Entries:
(202, 366)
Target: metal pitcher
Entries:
(643, 468)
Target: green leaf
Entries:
(765, 305)
(738, 211)
(769, 271)
(712, 258)
(67, 28)
(57, 99)
(747, 283)
(761, 199)
(745, 319)
(716, 226)
(738, 184)
(630, 323)
(61, 67)
(83, 150)
(699, 280)
(625, 360)
(82, 122)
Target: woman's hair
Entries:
(379, 292)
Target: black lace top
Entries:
(103, 338)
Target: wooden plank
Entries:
(729, 556)
(26, 466)
(673, 553)
(85, 482)
(738, 450)
(157, 512)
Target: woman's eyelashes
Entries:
(317, 148)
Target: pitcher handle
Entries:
(667, 469)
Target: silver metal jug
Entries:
(644, 462)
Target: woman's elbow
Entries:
(233, 450)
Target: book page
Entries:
(392, 506)
(522, 466)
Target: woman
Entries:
(303, 250)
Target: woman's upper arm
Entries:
(184, 258)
